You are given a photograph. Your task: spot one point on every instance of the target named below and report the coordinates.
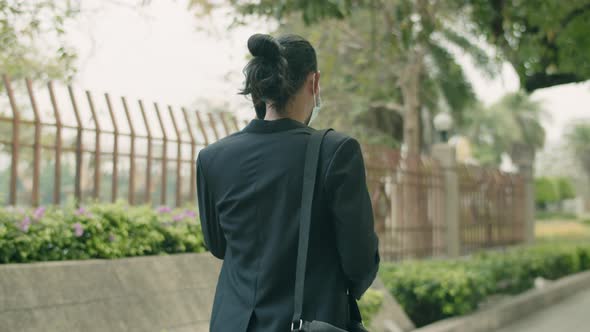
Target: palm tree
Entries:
(387, 69)
(513, 120)
(383, 62)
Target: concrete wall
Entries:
(158, 293)
(148, 294)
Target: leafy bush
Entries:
(550, 190)
(545, 191)
(565, 188)
(434, 290)
(96, 231)
(369, 305)
(515, 270)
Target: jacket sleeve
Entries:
(352, 214)
(212, 232)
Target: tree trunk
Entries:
(410, 87)
(416, 238)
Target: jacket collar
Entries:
(265, 126)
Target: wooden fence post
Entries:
(224, 124)
(36, 145)
(213, 126)
(164, 156)
(193, 155)
(131, 191)
(78, 176)
(97, 153)
(58, 146)
(202, 127)
(148, 181)
(15, 141)
(178, 158)
(114, 183)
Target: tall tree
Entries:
(32, 44)
(546, 41)
(32, 38)
(514, 119)
(392, 59)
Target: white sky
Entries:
(158, 54)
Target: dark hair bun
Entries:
(264, 46)
(278, 69)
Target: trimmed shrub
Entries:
(96, 231)
(434, 290)
(369, 305)
(565, 188)
(545, 191)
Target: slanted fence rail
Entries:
(58, 143)
(79, 145)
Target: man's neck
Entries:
(292, 111)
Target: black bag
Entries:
(309, 176)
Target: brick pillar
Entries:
(524, 157)
(445, 154)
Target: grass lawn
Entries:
(559, 229)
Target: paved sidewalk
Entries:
(570, 315)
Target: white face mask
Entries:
(317, 99)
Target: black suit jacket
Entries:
(249, 193)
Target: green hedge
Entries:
(545, 191)
(565, 188)
(553, 189)
(96, 231)
(434, 290)
(369, 305)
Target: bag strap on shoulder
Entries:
(312, 156)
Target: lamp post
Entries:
(446, 156)
(443, 123)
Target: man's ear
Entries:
(314, 79)
(316, 82)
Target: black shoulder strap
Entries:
(312, 156)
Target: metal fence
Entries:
(95, 148)
(407, 194)
(55, 145)
(491, 208)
